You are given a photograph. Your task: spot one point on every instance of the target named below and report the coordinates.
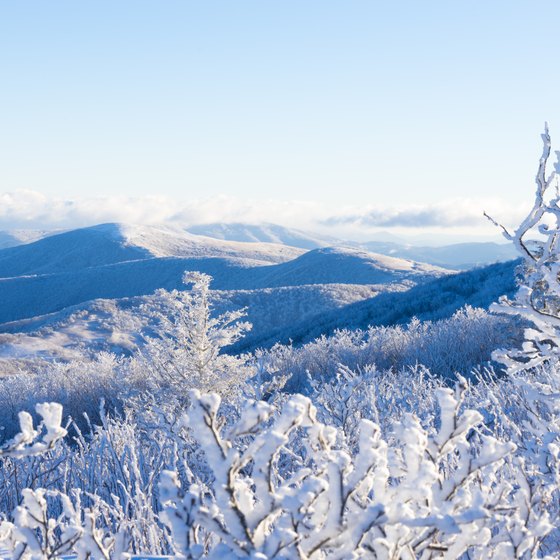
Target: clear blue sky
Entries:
(349, 102)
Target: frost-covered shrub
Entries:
(279, 483)
(415, 473)
(80, 386)
(98, 486)
(459, 344)
(383, 397)
(421, 493)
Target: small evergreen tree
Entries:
(187, 352)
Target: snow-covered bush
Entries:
(459, 344)
(80, 386)
(363, 478)
(383, 397)
(35, 535)
(29, 441)
(285, 486)
(93, 496)
(530, 411)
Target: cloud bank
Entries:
(454, 213)
(26, 209)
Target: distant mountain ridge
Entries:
(460, 256)
(108, 244)
(456, 256)
(177, 241)
(268, 233)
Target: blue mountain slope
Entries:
(37, 295)
(436, 299)
(299, 313)
(28, 296)
(341, 266)
(70, 251)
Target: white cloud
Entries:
(455, 213)
(31, 209)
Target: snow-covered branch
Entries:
(30, 441)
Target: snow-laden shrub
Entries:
(530, 412)
(383, 397)
(74, 531)
(459, 344)
(30, 441)
(279, 483)
(93, 496)
(286, 487)
(416, 475)
(80, 386)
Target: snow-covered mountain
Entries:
(87, 290)
(459, 256)
(268, 233)
(109, 244)
(247, 240)
(344, 266)
(455, 256)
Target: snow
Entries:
(168, 241)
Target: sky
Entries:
(346, 117)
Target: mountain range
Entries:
(455, 256)
(86, 287)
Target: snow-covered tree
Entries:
(530, 409)
(187, 351)
(538, 297)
